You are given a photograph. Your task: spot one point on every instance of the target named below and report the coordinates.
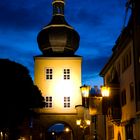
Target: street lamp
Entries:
(85, 89)
(83, 124)
(105, 91)
(83, 117)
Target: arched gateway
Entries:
(58, 76)
(69, 132)
(59, 131)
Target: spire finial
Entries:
(58, 7)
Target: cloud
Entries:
(24, 14)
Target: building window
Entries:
(129, 131)
(66, 102)
(48, 102)
(123, 97)
(49, 73)
(126, 60)
(66, 74)
(131, 91)
(118, 68)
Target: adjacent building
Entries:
(122, 74)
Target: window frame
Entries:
(49, 73)
(66, 74)
(48, 102)
(67, 102)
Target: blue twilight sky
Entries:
(98, 22)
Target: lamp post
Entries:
(83, 124)
(83, 120)
(105, 91)
(85, 89)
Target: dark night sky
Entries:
(98, 22)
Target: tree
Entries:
(18, 94)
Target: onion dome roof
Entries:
(58, 37)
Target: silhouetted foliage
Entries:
(18, 94)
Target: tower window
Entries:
(49, 73)
(66, 74)
(66, 102)
(58, 8)
(48, 102)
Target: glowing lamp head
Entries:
(85, 91)
(88, 122)
(78, 122)
(105, 91)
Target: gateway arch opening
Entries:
(59, 131)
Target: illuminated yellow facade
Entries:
(58, 87)
(59, 79)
